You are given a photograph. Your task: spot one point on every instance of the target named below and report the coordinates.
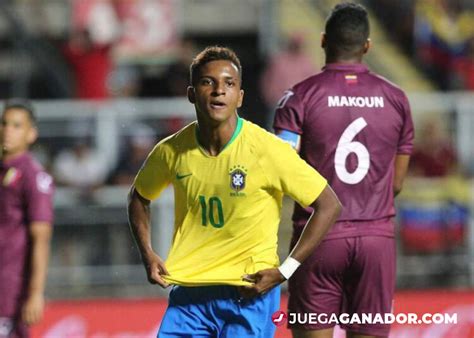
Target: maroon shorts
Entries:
(347, 275)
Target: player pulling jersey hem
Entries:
(229, 207)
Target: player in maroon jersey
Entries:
(355, 128)
(26, 214)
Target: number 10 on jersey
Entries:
(211, 210)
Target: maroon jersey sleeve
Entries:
(290, 113)
(39, 189)
(405, 145)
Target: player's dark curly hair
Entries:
(23, 104)
(213, 53)
(347, 29)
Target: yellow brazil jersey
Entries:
(227, 207)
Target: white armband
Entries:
(289, 266)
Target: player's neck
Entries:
(348, 60)
(214, 137)
(6, 157)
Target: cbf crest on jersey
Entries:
(238, 177)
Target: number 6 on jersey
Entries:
(345, 146)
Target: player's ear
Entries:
(323, 40)
(191, 94)
(241, 98)
(367, 45)
(32, 135)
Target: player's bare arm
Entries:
(40, 236)
(326, 210)
(140, 224)
(401, 168)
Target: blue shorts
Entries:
(218, 311)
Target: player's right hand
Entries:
(155, 269)
(262, 281)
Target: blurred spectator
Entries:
(434, 155)
(139, 145)
(42, 153)
(80, 167)
(398, 19)
(442, 31)
(95, 28)
(463, 69)
(434, 214)
(150, 28)
(99, 18)
(91, 65)
(285, 69)
(177, 74)
(124, 82)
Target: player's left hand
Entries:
(262, 281)
(32, 311)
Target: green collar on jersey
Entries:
(236, 133)
(238, 128)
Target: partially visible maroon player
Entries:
(356, 129)
(26, 214)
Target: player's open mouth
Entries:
(217, 105)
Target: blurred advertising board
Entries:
(141, 318)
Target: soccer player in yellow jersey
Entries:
(229, 177)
